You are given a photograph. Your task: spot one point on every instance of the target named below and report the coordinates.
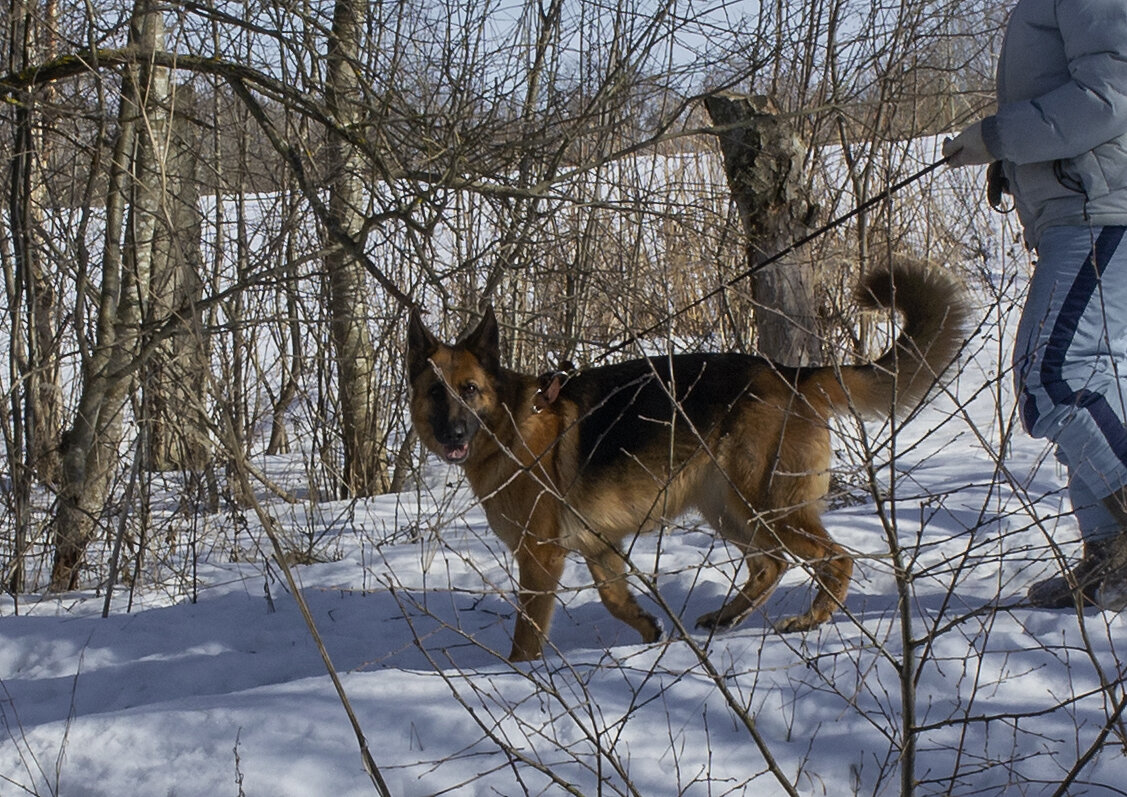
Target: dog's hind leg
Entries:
(738, 524)
(608, 569)
(830, 565)
(540, 565)
(764, 572)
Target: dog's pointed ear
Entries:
(421, 344)
(484, 341)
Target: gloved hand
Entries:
(968, 148)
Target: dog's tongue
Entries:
(457, 453)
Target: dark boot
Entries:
(1100, 577)
(1112, 592)
(1081, 583)
(1116, 504)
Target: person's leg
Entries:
(1098, 528)
(1071, 369)
(1096, 523)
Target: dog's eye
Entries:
(469, 390)
(437, 390)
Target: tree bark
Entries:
(763, 160)
(365, 462)
(91, 448)
(33, 307)
(175, 375)
(293, 368)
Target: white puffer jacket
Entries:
(1061, 124)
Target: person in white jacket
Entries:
(1060, 135)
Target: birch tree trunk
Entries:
(175, 373)
(365, 463)
(293, 366)
(91, 450)
(34, 313)
(763, 160)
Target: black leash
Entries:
(552, 381)
(775, 258)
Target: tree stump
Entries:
(763, 159)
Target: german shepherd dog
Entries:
(623, 447)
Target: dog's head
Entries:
(453, 387)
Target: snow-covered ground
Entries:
(228, 694)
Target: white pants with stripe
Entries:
(1070, 363)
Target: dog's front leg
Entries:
(540, 565)
(608, 568)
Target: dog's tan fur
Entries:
(625, 446)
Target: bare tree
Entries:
(90, 453)
(764, 159)
(174, 380)
(33, 307)
(365, 470)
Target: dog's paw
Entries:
(655, 631)
(707, 622)
(715, 621)
(800, 622)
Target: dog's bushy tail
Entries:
(935, 317)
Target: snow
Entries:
(229, 694)
(206, 681)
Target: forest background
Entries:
(218, 214)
